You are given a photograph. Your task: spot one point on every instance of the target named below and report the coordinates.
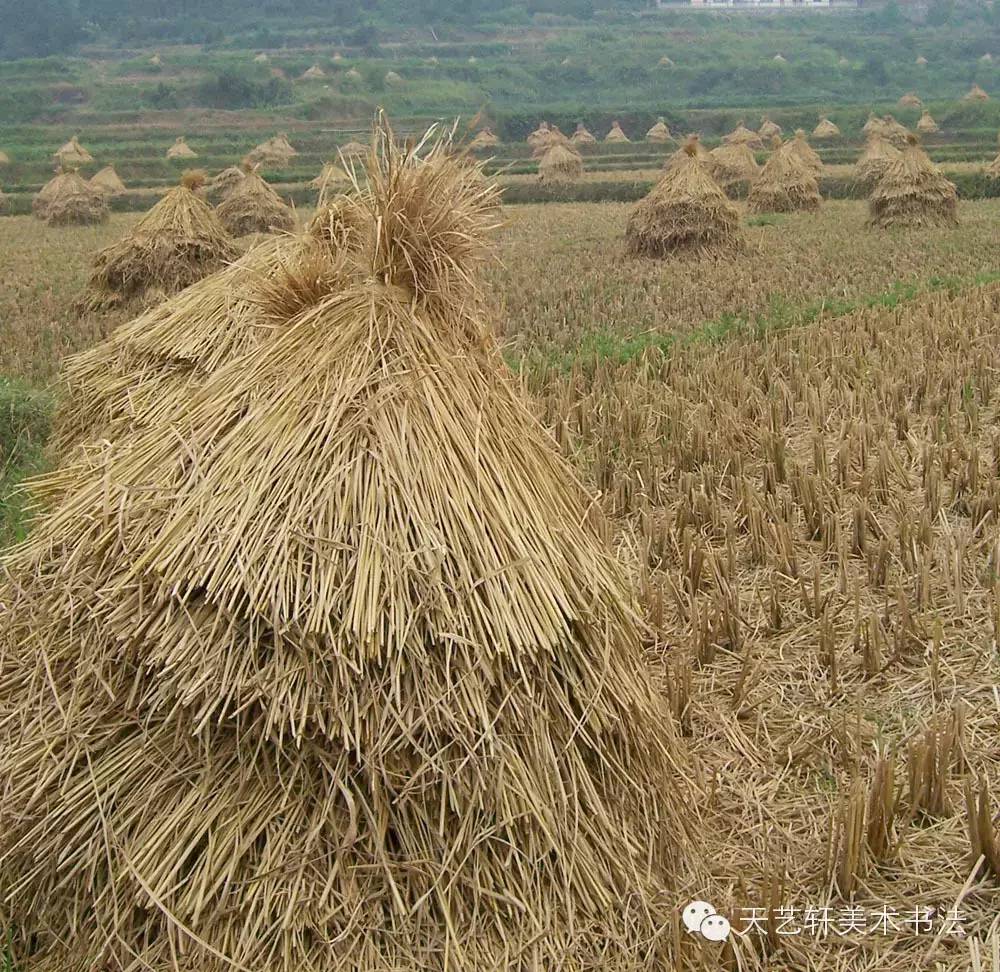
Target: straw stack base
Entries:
(912, 213)
(662, 231)
(781, 199)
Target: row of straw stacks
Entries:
(323, 661)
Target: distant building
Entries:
(766, 4)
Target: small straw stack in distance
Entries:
(874, 160)
(252, 206)
(733, 166)
(785, 185)
(68, 200)
(804, 152)
(179, 241)
(560, 163)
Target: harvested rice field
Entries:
(563, 282)
(729, 698)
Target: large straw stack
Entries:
(615, 134)
(252, 206)
(107, 181)
(67, 200)
(926, 125)
(181, 150)
(734, 167)
(686, 211)
(785, 185)
(874, 160)
(335, 672)
(913, 192)
(804, 152)
(560, 163)
(180, 240)
(659, 132)
(73, 153)
(993, 169)
(826, 129)
(582, 136)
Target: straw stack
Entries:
(222, 184)
(337, 672)
(275, 151)
(331, 180)
(68, 200)
(252, 206)
(107, 181)
(582, 136)
(685, 212)
(975, 93)
(681, 155)
(874, 160)
(993, 169)
(873, 126)
(181, 150)
(4, 158)
(659, 132)
(896, 133)
(734, 167)
(616, 134)
(785, 185)
(926, 125)
(741, 135)
(539, 134)
(560, 163)
(73, 153)
(485, 139)
(768, 130)
(551, 136)
(392, 77)
(826, 129)
(910, 100)
(179, 241)
(315, 73)
(804, 152)
(913, 192)
(353, 150)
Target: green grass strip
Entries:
(605, 347)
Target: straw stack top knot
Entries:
(912, 139)
(431, 217)
(691, 148)
(194, 179)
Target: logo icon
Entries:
(701, 918)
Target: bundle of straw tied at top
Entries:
(330, 668)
